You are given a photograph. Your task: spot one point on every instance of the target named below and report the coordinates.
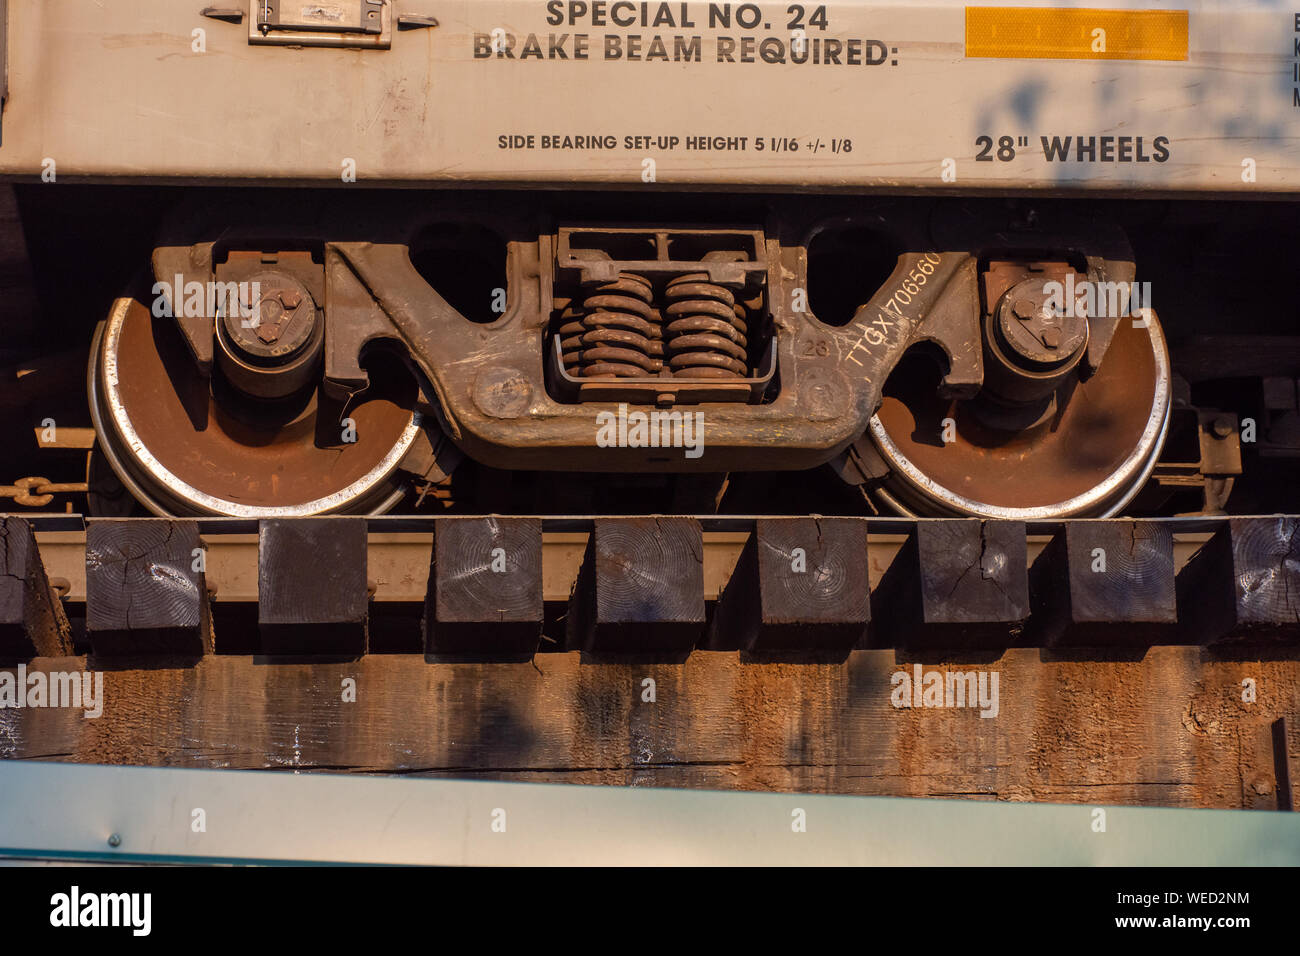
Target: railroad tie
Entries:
(146, 590)
(1243, 586)
(956, 584)
(311, 583)
(800, 584)
(485, 587)
(640, 588)
(1104, 583)
(32, 621)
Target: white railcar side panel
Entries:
(530, 91)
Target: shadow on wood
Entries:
(32, 621)
(956, 584)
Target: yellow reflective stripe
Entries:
(1076, 34)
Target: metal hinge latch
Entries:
(364, 23)
(351, 23)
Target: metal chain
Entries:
(38, 492)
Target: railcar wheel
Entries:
(1086, 450)
(185, 444)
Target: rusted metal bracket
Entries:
(490, 381)
(174, 269)
(493, 381)
(1096, 242)
(1203, 452)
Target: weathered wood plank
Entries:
(1163, 730)
(146, 592)
(485, 586)
(32, 620)
(312, 595)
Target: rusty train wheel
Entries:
(1088, 457)
(185, 444)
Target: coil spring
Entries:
(615, 331)
(706, 329)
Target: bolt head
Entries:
(114, 840)
(271, 318)
(1024, 309)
